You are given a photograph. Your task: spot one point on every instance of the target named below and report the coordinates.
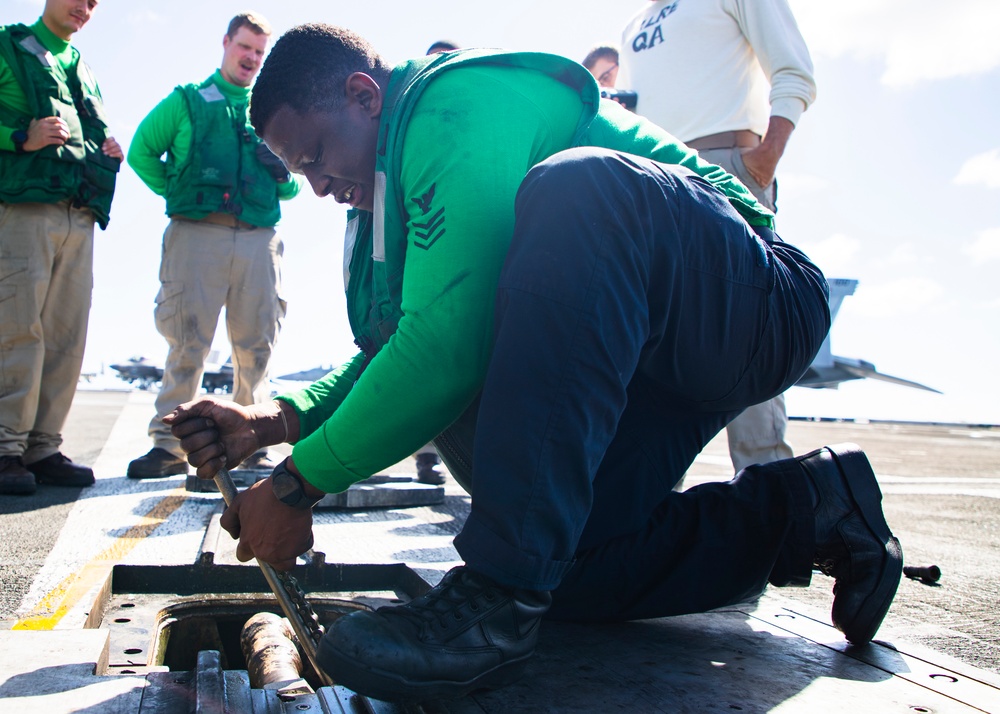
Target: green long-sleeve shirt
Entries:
(473, 135)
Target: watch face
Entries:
(290, 489)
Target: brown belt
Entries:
(222, 219)
(742, 138)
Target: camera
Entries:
(624, 97)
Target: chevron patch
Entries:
(427, 233)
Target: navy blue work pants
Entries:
(637, 313)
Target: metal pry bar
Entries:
(228, 490)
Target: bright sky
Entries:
(892, 177)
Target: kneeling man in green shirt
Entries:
(600, 303)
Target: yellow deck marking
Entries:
(61, 599)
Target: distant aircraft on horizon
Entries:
(144, 373)
(306, 375)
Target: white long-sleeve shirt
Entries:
(704, 66)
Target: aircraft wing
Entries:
(845, 369)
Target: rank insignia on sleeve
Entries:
(427, 232)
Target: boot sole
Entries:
(391, 687)
(18, 489)
(867, 496)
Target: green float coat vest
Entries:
(78, 169)
(374, 292)
(222, 173)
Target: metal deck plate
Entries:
(767, 659)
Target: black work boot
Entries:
(15, 479)
(427, 469)
(157, 463)
(58, 470)
(853, 541)
(466, 633)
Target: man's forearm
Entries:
(149, 168)
(275, 422)
(779, 130)
(762, 161)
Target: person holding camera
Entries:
(602, 63)
(730, 79)
(222, 186)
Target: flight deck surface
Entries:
(938, 650)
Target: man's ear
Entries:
(365, 91)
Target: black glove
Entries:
(272, 163)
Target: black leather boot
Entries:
(59, 470)
(853, 542)
(157, 463)
(466, 633)
(14, 478)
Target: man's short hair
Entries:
(253, 20)
(307, 68)
(441, 46)
(600, 52)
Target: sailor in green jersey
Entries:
(222, 187)
(600, 303)
(58, 165)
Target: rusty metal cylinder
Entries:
(273, 660)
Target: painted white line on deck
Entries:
(116, 520)
(56, 603)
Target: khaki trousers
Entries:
(206, 267)
(46, 280)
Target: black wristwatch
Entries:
(19, 137)
(289, 488)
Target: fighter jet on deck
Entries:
(828, 370)
(143, 373)
(139, 372)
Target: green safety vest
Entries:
(376, 243)
(78, 169)
(222, 173)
